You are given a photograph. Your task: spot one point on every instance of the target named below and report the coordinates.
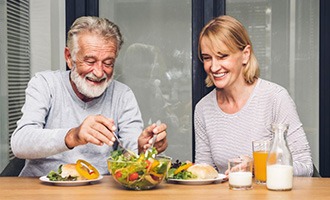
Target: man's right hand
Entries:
(95, 129)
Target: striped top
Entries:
(220, 136)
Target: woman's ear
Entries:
(246, 54)
(68, 57)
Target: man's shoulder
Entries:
(50, 75)
(120, 93)
(49, 79)
(119, 86)
(118, 83)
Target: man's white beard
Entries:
(86, 89)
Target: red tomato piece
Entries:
(133, 176)
(118, 174)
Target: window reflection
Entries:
(285, 36)
(155, 61)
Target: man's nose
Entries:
(98, 69)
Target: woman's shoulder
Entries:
(271, 87)
(208, 100)
(272, 92)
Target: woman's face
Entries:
(92, 70)
(224, 68)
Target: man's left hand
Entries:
(145, 139)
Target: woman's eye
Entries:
(222, 56)
(206, 58)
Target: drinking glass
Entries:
(260, 153)
(240, 174)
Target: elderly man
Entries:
(71, 115)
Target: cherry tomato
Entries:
(133, 176)
(118, 174)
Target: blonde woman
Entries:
(242, 106)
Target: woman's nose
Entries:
(216, 65)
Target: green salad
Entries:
(56, 176)
(142, 172)
(178, 170)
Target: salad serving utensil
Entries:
(154, 137)
(124, 148)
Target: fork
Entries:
(154, 137)
(122, 146)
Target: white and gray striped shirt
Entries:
(220, 136)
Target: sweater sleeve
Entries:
(285, 112)
(30, 140)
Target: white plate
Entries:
(69, 183)
(221, 178)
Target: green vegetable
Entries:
(142, 172)
(181, 175)
(162, 168)
(56, 176)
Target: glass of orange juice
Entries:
(260, 154)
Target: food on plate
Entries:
(81, 170)
(138, 173)
(203, 171)
(188, 170)
(178, 170)
(69, 170)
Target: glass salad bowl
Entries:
(139, 173)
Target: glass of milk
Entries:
(240, 173)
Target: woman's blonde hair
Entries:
(230, 32)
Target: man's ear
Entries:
(68, 57)
(246, 54)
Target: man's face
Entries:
(92, 70)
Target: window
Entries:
(285, 37)
(15, 68)
(155, 61)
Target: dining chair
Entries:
(14, 167)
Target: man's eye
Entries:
(90, 62)
(108, 64)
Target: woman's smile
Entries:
(219, 75)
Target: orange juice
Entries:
(260, 161)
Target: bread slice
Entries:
(70, 170)
(203, 171)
